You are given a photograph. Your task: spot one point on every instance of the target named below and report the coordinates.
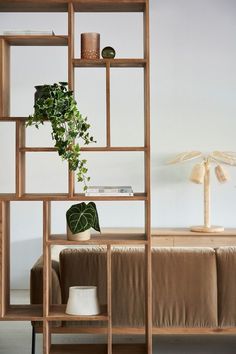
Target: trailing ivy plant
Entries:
(57, 104)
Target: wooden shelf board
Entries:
(79, 5)
(66, 197)
(97, 349)
(109, 5)
(36, 40)
(13, 119)
(102, 239)
(114, 63)
(33, 6)
(24, 313)
(87, 149)
(57, 313)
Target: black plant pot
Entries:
(40, 92)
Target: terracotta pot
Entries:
(90, 45)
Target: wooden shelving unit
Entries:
(48, 313)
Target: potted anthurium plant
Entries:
(81, 218)
(56, 104)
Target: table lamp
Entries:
(201, 175)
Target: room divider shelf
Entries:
(103, 239)
(35, 40)
(47, 313)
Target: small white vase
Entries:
(80, 236)
(83, 301)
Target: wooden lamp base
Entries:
(210, 229)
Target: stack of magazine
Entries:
(109, 191)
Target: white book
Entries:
(25, 32)
(109, 191)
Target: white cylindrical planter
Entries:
(83, 301)
(80, 236)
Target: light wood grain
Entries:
(109, 5)
(113, 63)
(141, 330)
(71, 16)
(35, 40)
(46, 276)
(147, 161)
(46, 337)
(20, 159)
(80, 5)
(57, 313)
(5, 257)
(66, 197)
(108, 113)
(12, 119)
(46, 258)
(102, 239)
(1, 261)
(4, 78)
(97, 349)
(109, 300)
(87, 149)
(24, 313)
(183, 231)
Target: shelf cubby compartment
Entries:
(35, 40)
(24, 313)
(97, 349)
(57, 313)
(102, 239)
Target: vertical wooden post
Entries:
(1, 260)
(46, 337)
(4, 78)
(20, 159)
(108, 110)
(71, 15)
(46, 276)
(5, 257)
(109, 300)
(148, 254)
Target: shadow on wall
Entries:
(167, 175)
(23, 256)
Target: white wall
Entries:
(193, 104)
